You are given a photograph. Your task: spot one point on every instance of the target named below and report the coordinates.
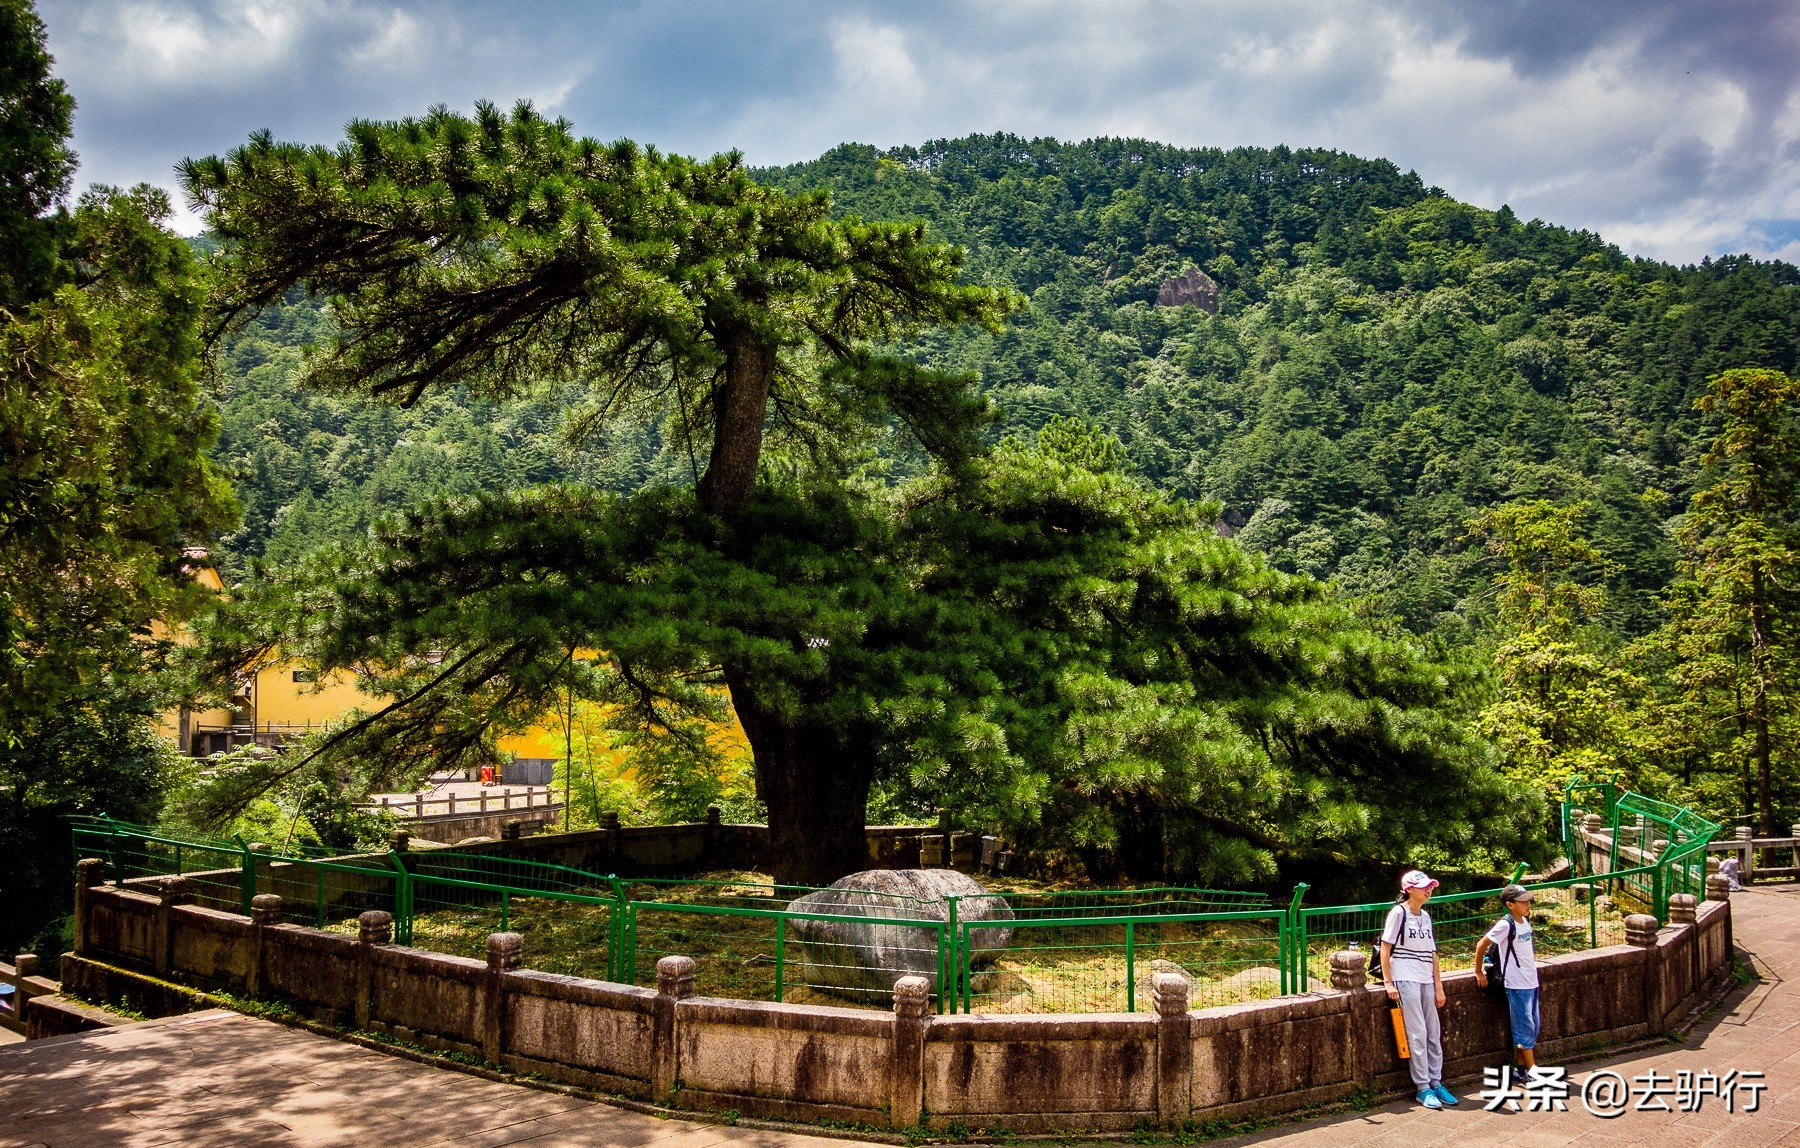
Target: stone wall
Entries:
(904, 1067)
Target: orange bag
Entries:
(1400, 1045)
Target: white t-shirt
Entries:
(1521, 964)
(1414, 944)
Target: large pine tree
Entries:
(1033, 638)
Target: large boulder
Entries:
(862, 960)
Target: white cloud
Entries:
(1668, 132)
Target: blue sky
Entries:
(1672, 127)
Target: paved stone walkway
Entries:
(1761, 1032)
(221, 1079)
(218, 1078)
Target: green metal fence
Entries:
(1012, 952)
(213, 867)
(1106, 962)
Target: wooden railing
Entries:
(22, 976)
(425, 804)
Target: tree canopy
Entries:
(104, 478)
(1015, 634)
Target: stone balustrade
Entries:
(1029, 1073)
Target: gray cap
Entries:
(1515, 893)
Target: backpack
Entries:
(1493, 964)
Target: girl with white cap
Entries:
(1409, 965)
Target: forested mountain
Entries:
(1365, 363)
(1350, 363)
(1485, 431)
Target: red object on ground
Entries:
(487, 775)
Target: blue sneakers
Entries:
(1444, 1094)
(1428, 1097)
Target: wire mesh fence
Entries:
(327, 894)
(567, 917)
(1567, 916)
(762, 942)
(1107, 962)
(1012, 951)
(213, 868)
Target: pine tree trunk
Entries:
(740, 408)
(816, 789)
(816, 792)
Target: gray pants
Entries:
(1418, 1006)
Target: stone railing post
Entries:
(265, 910)
(510, 829)
(373, 928)
(1718, 887)
(1174, 1050)
(674, 982)
(906, 1085)
(89, 872)
(170, 892)
(1681, 912)
(1640, 930)
(504, 952)
(1349, 969)
(399, 840)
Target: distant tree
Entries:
(103, 478)
(1736, 606)
(1564, 703)
(35, 161)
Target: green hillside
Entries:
(1377, 364)
(1482, 430)
(1383, 363)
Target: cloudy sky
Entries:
(1672, 127)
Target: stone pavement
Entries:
(218, 1078)
(1760, 1032)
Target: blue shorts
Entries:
(1522, 1007)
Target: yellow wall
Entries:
(282, 701)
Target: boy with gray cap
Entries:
(1511, 935)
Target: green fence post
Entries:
(959, 955)
(1659, 894)
(1130, 966)
(946, 951)
(962, 970)
(615, 942)
(246, 877)
(780, 955)
(403, 908)
(505, 908)
(1517, 873)
(1612, 857)
(1283, 955)
(1297, 927)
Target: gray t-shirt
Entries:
(1521, 963)
(1414, 944)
